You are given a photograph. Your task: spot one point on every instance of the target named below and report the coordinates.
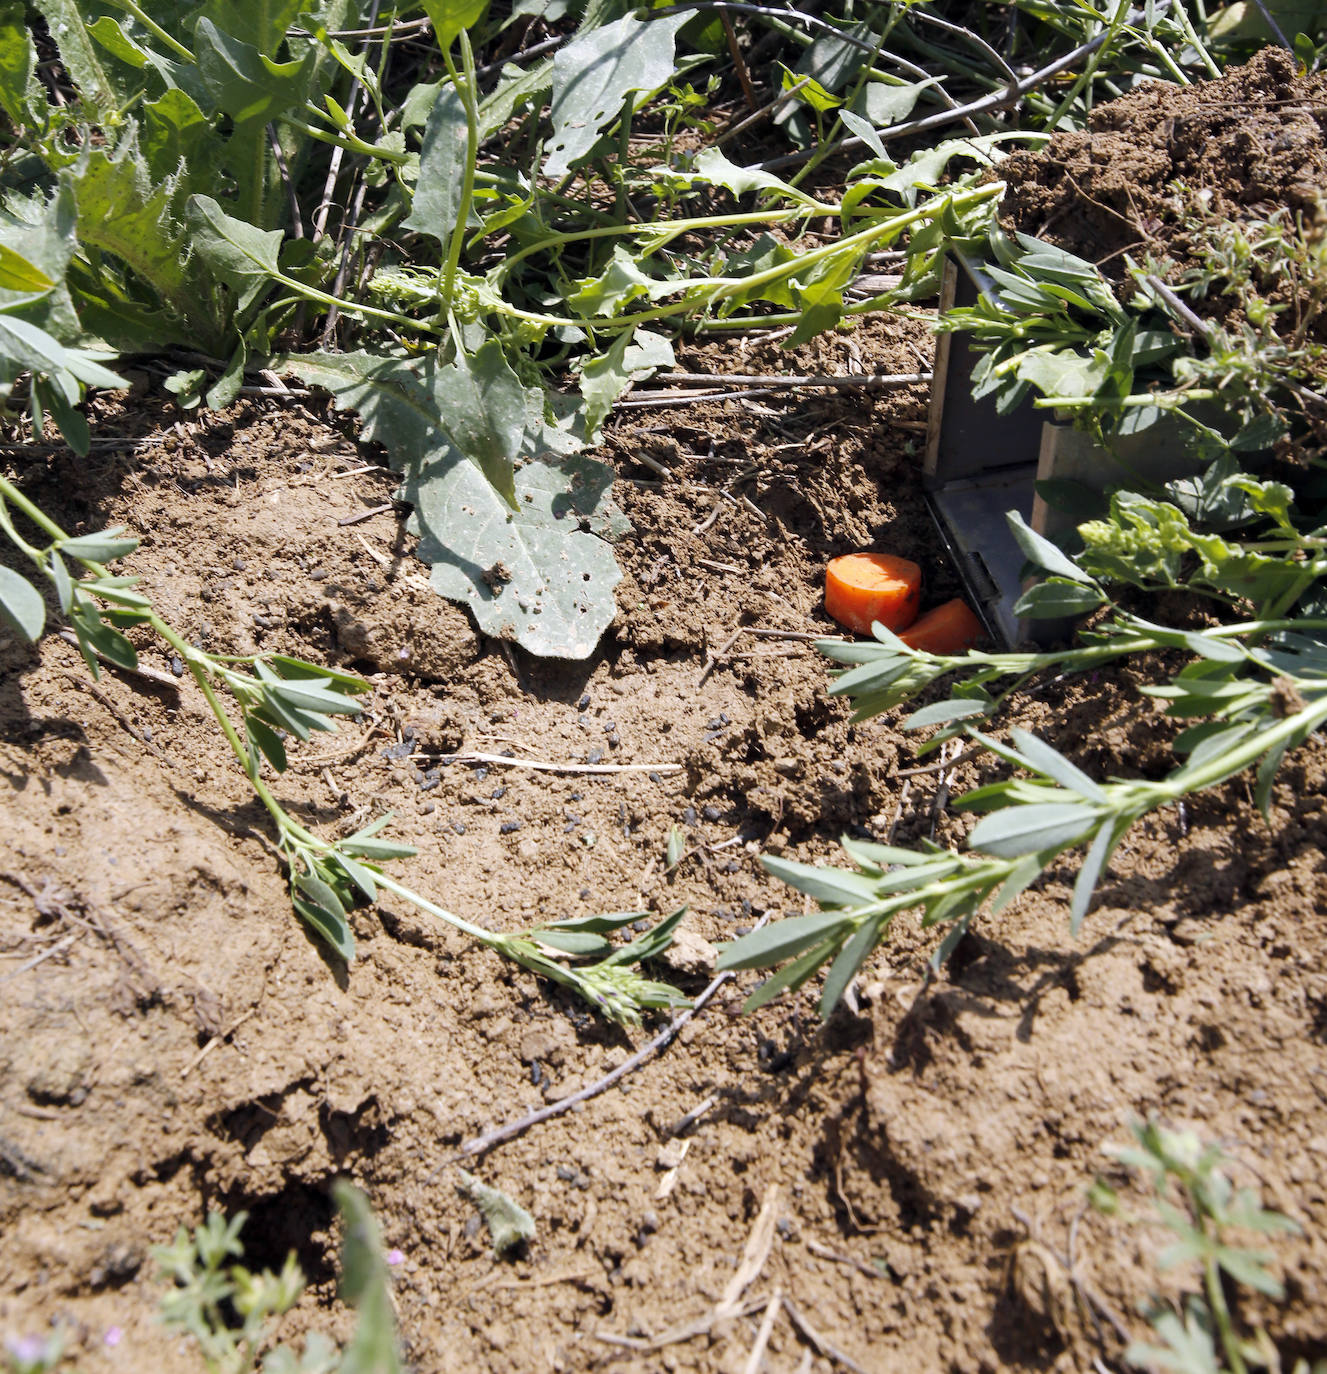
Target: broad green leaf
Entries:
(528, 573)
(1039, 550)
(1017, 830)
(242, 256)
(482, 405)
(92, 629)
(620, 283)
(437, 199)
(21, 605)
(450, 17)
(1024, 875)
(176, 130)
(318, 891)
(864, 130)
(1056, 597)
(604, 377)
(242, 82)
(18, 274)
(807, 90)
(593, 76)
(779, 940)
(886, 105)
(713, 167)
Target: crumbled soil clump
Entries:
(1253, 142)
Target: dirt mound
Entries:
(1253, 142)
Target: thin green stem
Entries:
(466, 90)
(132, 8)
(488, 937)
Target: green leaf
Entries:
(845, 967)
(864, 130)
(79, 55)
(437, 198)
(265, 741)
(628, 359)
(366, 1284)
(20, 96)
(64, 585)
(242, 256)
(578, 943)
(1098, 856)
(829, 886)
(102, 547)
(297, 669)
(1039, 550)
(21, 605)
(1048, 761)
(886, 105)
(598, 924)
(377, 850)
(244, 83)
(18, 274)
(1034, 829)
(779, 940)
(714, 168)
(362, 877)
(509, 1224)
(791, 976)
(1057, 597)
(94, 633)
(808, 90)
(593, 76)
(945, 713)
(450, 17)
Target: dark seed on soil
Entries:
(583, 702)
(459, 827)
(536, 1073)
(263, 622)
(507, 827)
(614, 740)
(654, 777)
(594, 755)
(498, 793)
(427, 809)
(576, 796)
(177, 666)
(585, 893)
(711, 813)
(427, 785)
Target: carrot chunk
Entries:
(864, 587)
(948, 629)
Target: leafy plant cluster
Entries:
(230, 1312)
(1243, 536)
(1208, 1217)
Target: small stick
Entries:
(714, 660)
(366, 514)
(151, 674)
(217, 1039)
(938, 767)
(785, 383)
(821, 1343)
(483, 1143)
(815, 1247)
(541, 766)
(757, 1356)
(736, 53)
(56, 948)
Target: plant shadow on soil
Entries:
(181, 1044)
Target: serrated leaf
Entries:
(713, 167)
(1017, 830)
(437, 198)
(79, 54)
(21, 605)
(593, 76)
(509, 1224)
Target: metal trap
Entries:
(980, 464)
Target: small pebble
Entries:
(689, 815)
(585, 894)
(594, 756)
(654, 777)
(459, 827)
(498, 793)
(614, 740)
(583, 702)
(711, 813)
(427, 809)
(508, 827)
(177, 666)
(263, 622)
(576, 796)
(427, 785)
(318, 574)
(238, 564)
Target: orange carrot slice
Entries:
(949, 629)
(863, 587)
